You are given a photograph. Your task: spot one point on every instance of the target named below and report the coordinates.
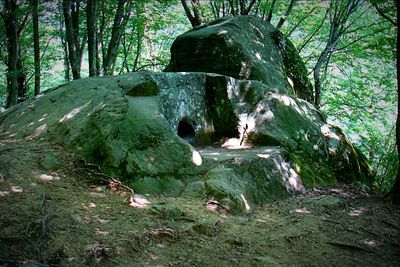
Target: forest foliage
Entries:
(348, 47)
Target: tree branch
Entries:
(380, 11)
(249, 7)
(301, 20)
(288, 11)
(360, 38)
(315, 32)
(271, 10)
(23, 24)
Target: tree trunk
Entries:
(395, 191)
(195, 18)
(288, 11)
(246, 10)
(120, 20)
(271, 10)
(91, 13)
(340, 13)
(10, 22)
(100, 41)
(317, 77)
(21, 78)
(71, 18)
(138, 50)
(317, 87)
(35, 17)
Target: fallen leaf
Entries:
(16, 189)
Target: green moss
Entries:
(147, 185)
(167, 186)
(262, 139)
(312, 171)
(294, 67)
(204, 138)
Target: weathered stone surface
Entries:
(242, 47)
(130, 137)
(245, 178)
(96, 120)
(131, 124)
(261, 106)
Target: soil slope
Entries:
(52, 212)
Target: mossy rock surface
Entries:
(232, 81)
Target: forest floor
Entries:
(64, 218)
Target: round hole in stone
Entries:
(185, 129)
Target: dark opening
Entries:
(185, 129)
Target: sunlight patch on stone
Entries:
(234, 143)
(295, 180)
(244, 70)
(290, 82)
(43, 117)
(264, 156)
(222, 32)
(372, 243)
(326, 131)
(196, 158)
(258, 56)
(229, 90)
(298, 109)
(73, 113)
(302, 210)
(287, 101)
(246, 204)
(39, 130)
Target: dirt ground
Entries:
(65, 218)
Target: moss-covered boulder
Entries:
(245, 48)
(239, 88)
(98, 119)
(246, 178)
(134, 134)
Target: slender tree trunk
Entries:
(120, 21)
(21, 78)
(271, 10)
(100, 41)
(70, 10)
(10, 22)
(35, 17)
(195, 18)
(91, 13)
(67, 71)
(317, 77)
(138, 50)
(317, 87)
(341, 11)
(395, 191)
(288, 11)
(246, 10)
